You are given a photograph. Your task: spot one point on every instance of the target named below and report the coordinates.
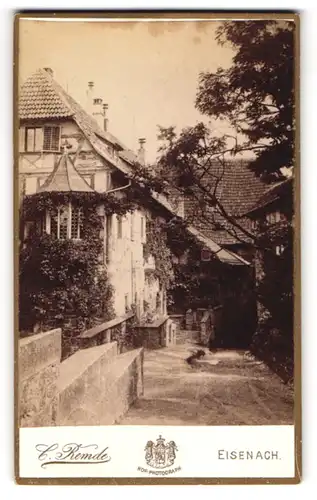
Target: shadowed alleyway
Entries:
(224, 388)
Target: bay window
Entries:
(65, 222)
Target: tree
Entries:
(195, 164)
(255, 96)
(256, 93)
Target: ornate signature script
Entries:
(71, 453)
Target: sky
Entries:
(147, 72)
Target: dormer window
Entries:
(65, 222)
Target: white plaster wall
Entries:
(126, 263)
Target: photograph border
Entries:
(170, 16)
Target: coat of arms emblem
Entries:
(161, 454)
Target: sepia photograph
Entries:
(156, 225)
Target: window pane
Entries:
(51, 139)
(55, 138)
(76, 223)
(54, 226)
(38, 139)
(47, 138)
(80, 223)
(63, 222)
(29, 139)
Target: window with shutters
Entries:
(33, 139)
(51, 140)
(65, 222)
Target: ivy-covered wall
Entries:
(63, 282)
(75, 284)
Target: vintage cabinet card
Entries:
(157, 249)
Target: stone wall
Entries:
(39, 365)
(95, 386)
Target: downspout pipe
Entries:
(121, 188)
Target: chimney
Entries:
(105, 118)
(49, 71)
(89, 94)
(141, 151)
(97, 111)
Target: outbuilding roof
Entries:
(238, 190)
(271, 194)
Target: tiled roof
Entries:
(238, 191)
(223, 255)
(272, 194)
(65, 178)
(41, 97)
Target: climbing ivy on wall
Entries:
(63, 282)
(189, 283)
(194, 279)
(156, 245)
(38, 203)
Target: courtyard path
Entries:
(227, 388)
